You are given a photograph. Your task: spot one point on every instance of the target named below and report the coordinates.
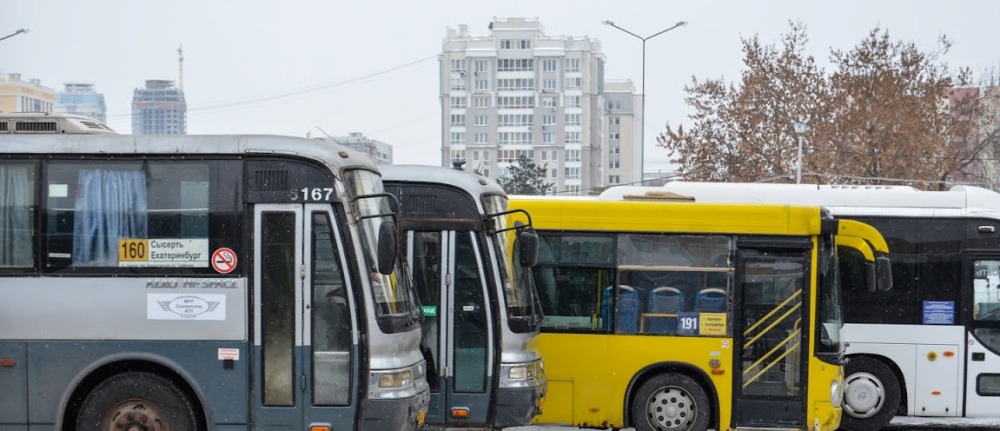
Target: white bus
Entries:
(200, 283)
(931, 345)
(472, 272)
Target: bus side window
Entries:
(17, 215)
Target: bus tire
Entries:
(143, 399)
(871, 395)
(670, 402)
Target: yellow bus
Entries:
(689, 316)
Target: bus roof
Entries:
(335, 156)
(473, 183)
(959, 201)
(671, 216)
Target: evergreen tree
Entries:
(524, 178)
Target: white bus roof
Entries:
(335, 156)
(475, 184)
(959, 201)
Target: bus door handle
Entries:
(978, 356)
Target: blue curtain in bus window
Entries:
(109, 205)
(15, 217)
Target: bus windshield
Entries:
(523, 313)
(395, 305)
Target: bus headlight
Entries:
(398, 383)
(394, 380)
(835, 396)
(521, 375)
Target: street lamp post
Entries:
(800, 129)
(642, 122)
(19, 31)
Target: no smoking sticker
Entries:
(224, 260)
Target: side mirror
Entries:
(527, 242)
(883, 271)
(871, 277)
(386, 248)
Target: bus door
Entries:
(305, 350)
(982, 388)
(770, 335)
(449, 274)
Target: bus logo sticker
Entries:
(224, 260)
(725, 344)
(166, 306)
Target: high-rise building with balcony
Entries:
(81, 98)
(159, 109)
(519, 92)
(623, 123)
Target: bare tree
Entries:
(888, 111)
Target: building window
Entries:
(458, 102)
(573, 83)
(514, 138)
(572, 64)
(524, 44)
(554, 173)
(555, 155)
(549, 102)
(614, 164)
(549, 85)
(458, 154)
(572, 173)
(481, 66)
(457, 119)
(572, 102)
(482, 120)
(548, 120)
(515, 102)
(506, 43)
(614, 121)
(457, 138)
(614, 136)
(458, 65)
(482, 85)
(573, 119)
(614, 179)
(515, 65)
(549, 65)
(515, 119)
(481, 101)
(547, 138)
(458, 84)
(572, 155)
(572, 137)
(515, 84)
(482, 139)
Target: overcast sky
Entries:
(292, 67)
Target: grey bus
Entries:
(199, 283)
(472, 273)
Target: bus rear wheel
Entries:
(871, 395)
(670, 402)
(136, 401)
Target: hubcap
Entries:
(863, 395)
(670, 409)
(135, 415)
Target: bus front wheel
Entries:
(670, 402)
(871, 395)
(136, 401)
